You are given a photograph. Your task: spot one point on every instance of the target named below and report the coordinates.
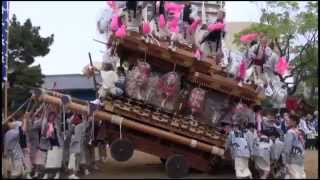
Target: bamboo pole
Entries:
(111, 118)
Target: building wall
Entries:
(231, 29)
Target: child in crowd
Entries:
(238, 142)
(294, 150)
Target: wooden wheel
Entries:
(121, 149)
(176, 166)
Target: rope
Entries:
(117, 120)
(120, 127)
(19, 108)
(193, 143)
(28, 106)
(64, 121)
(92, 128)
(174, 67)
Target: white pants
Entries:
(73, 162)
(241, 166)
(27, 160)
(17, 168)
(262, 164)
(96, 154)
(295, 172)
(54, 157)
(41, 158)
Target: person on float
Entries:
(174, 11)
(258, 55)
(215, 35)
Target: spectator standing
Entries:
(294, 150)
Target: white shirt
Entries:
(303, 126)
(108, 79)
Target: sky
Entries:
(74, 27)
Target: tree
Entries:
(25, 43)
(286, 23)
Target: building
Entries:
(211, 8)
(75, 85)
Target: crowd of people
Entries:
(272, 147)
(41, 145)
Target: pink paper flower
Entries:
(121, 32)
(146, 28)
(248, 37)
(162, 21)
(173, 25)
(216, 26)
(115, 23)
(170, 6)
(194, 25)
(282, 66)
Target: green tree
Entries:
(285, 23)
(25, 44)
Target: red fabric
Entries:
(76, 119)
(292, 104)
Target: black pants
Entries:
(312, 143)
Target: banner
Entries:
(5, 27)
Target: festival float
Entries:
(178, 95)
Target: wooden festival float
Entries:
(180, 142)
